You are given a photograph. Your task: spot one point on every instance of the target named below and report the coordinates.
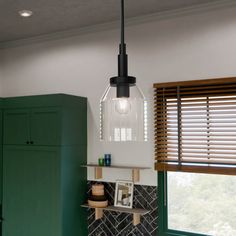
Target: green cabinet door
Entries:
(16, 126)
(37, 126)
(31, 191)
(0, 157)
(45, 126)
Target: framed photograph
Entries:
(124, 194)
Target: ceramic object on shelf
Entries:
(98, 198)
(98, 204)
(98, 190)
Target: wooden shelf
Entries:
(135, 170)
(117, 167)
(137, 212)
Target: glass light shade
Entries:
(123, 119)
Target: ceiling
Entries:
(52, 16)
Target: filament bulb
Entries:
(122, 106)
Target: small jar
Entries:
(107, 159)
(101, 161)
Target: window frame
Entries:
(163, 210)
(162, 170)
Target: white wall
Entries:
(1, 74)
(200, 46)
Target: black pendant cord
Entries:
(123, 81)
(122, 26)
(122, 58)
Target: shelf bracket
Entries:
(136, 175)
(98, 213)
(98, 173)
(136, 219)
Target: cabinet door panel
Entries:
(45, 126)
(0, 157)
(31, 197)
(16, 126)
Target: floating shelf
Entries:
(135, 211)
(135, 170)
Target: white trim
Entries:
(196, 9)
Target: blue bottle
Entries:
(107, 159)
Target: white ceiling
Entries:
(52, 16)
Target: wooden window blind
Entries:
(195, 126)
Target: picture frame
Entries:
(124, 194)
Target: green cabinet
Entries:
(0, 158)
(31, 193)
(1, 136)
(16, 126)
(44, 144)
(38, 126)
(45, 126)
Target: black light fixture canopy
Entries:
(123, 107)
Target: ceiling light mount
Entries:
(25, 13)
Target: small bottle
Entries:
(107, 159)
(101, 161)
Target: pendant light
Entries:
(123, 108)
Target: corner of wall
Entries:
(1, 77)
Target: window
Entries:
(197, 204)
(196, 126)
(195, 131)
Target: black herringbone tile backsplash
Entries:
(120, 224)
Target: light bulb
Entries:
(122, 106)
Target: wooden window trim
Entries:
(226, 80)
